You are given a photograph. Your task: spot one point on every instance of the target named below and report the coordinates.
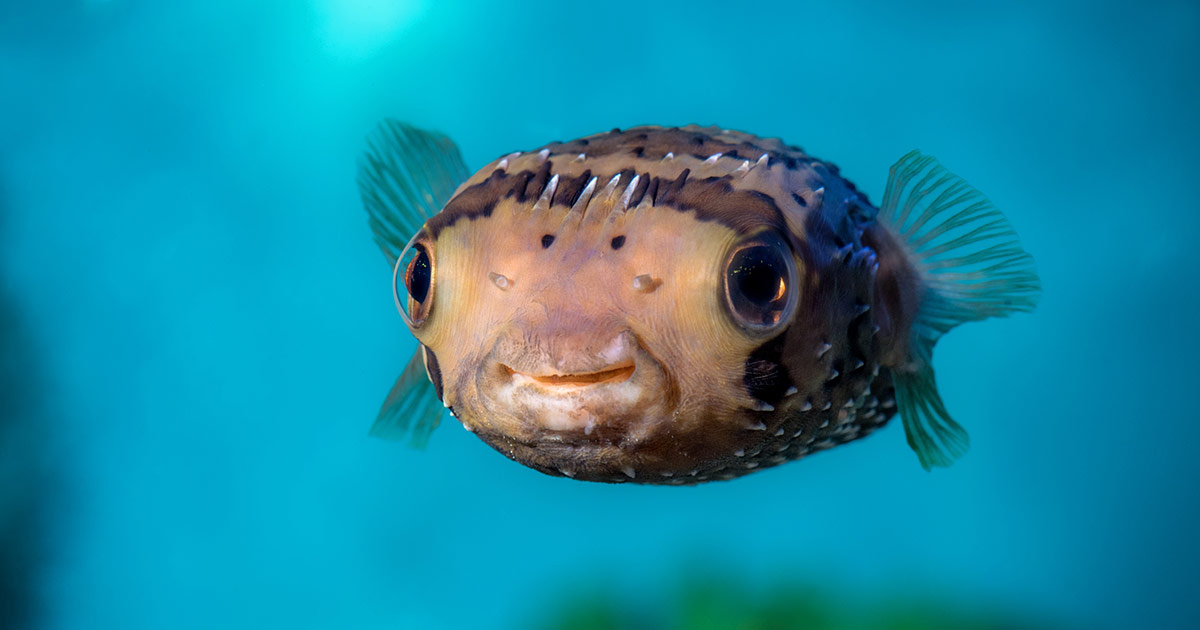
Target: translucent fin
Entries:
(405, 177)
(411, 410)
(972, 267)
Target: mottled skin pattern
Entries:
(546, 288)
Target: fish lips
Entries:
(610, 397)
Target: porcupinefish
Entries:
(678, 305)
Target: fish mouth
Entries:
(574, 390)
(609, 375)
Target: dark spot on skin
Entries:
(618, 241)
(547, 241)
(639, 151)
(433, 370)
(766, 378)
(800, 200)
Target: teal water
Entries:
(207, 329)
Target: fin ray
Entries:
(971, 267)
(411, 410)
(406, 176)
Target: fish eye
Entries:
(760, 283)
(413, 279)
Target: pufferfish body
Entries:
(678, 305)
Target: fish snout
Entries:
(577, 383)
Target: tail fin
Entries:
(971, 267)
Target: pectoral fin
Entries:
(406, 176)
(970, 266)
(412, 409)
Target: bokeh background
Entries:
(197, 330)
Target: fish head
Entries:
(595, 327)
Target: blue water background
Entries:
(214, 330)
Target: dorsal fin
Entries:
(406, 176)
(970, 267)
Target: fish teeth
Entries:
(744, 168)
(542, 155)
(629, 472)
(762, 406)
(568, 472)
(739, 453)
(712, 159)
(825, 347)
(579, 158)
(791, 391)
(807, 406)
(757, 426)
(762, 161)
(669, 156)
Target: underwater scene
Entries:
(694, 363)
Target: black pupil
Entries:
(756, 273)
(417, 277)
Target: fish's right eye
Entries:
(413, 281)
(761, 283)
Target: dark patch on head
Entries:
(639, 151)
(715, 199)
(800, 200)
(639, 191)
(433, 370)
(568, 190)
(547, 241)
(667, 190)
(618, 242)
(766, 378)
(519, 183)
(477, 201)
(536, 185)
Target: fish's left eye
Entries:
(413, 280)
(760, 283)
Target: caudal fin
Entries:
(971, 267)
